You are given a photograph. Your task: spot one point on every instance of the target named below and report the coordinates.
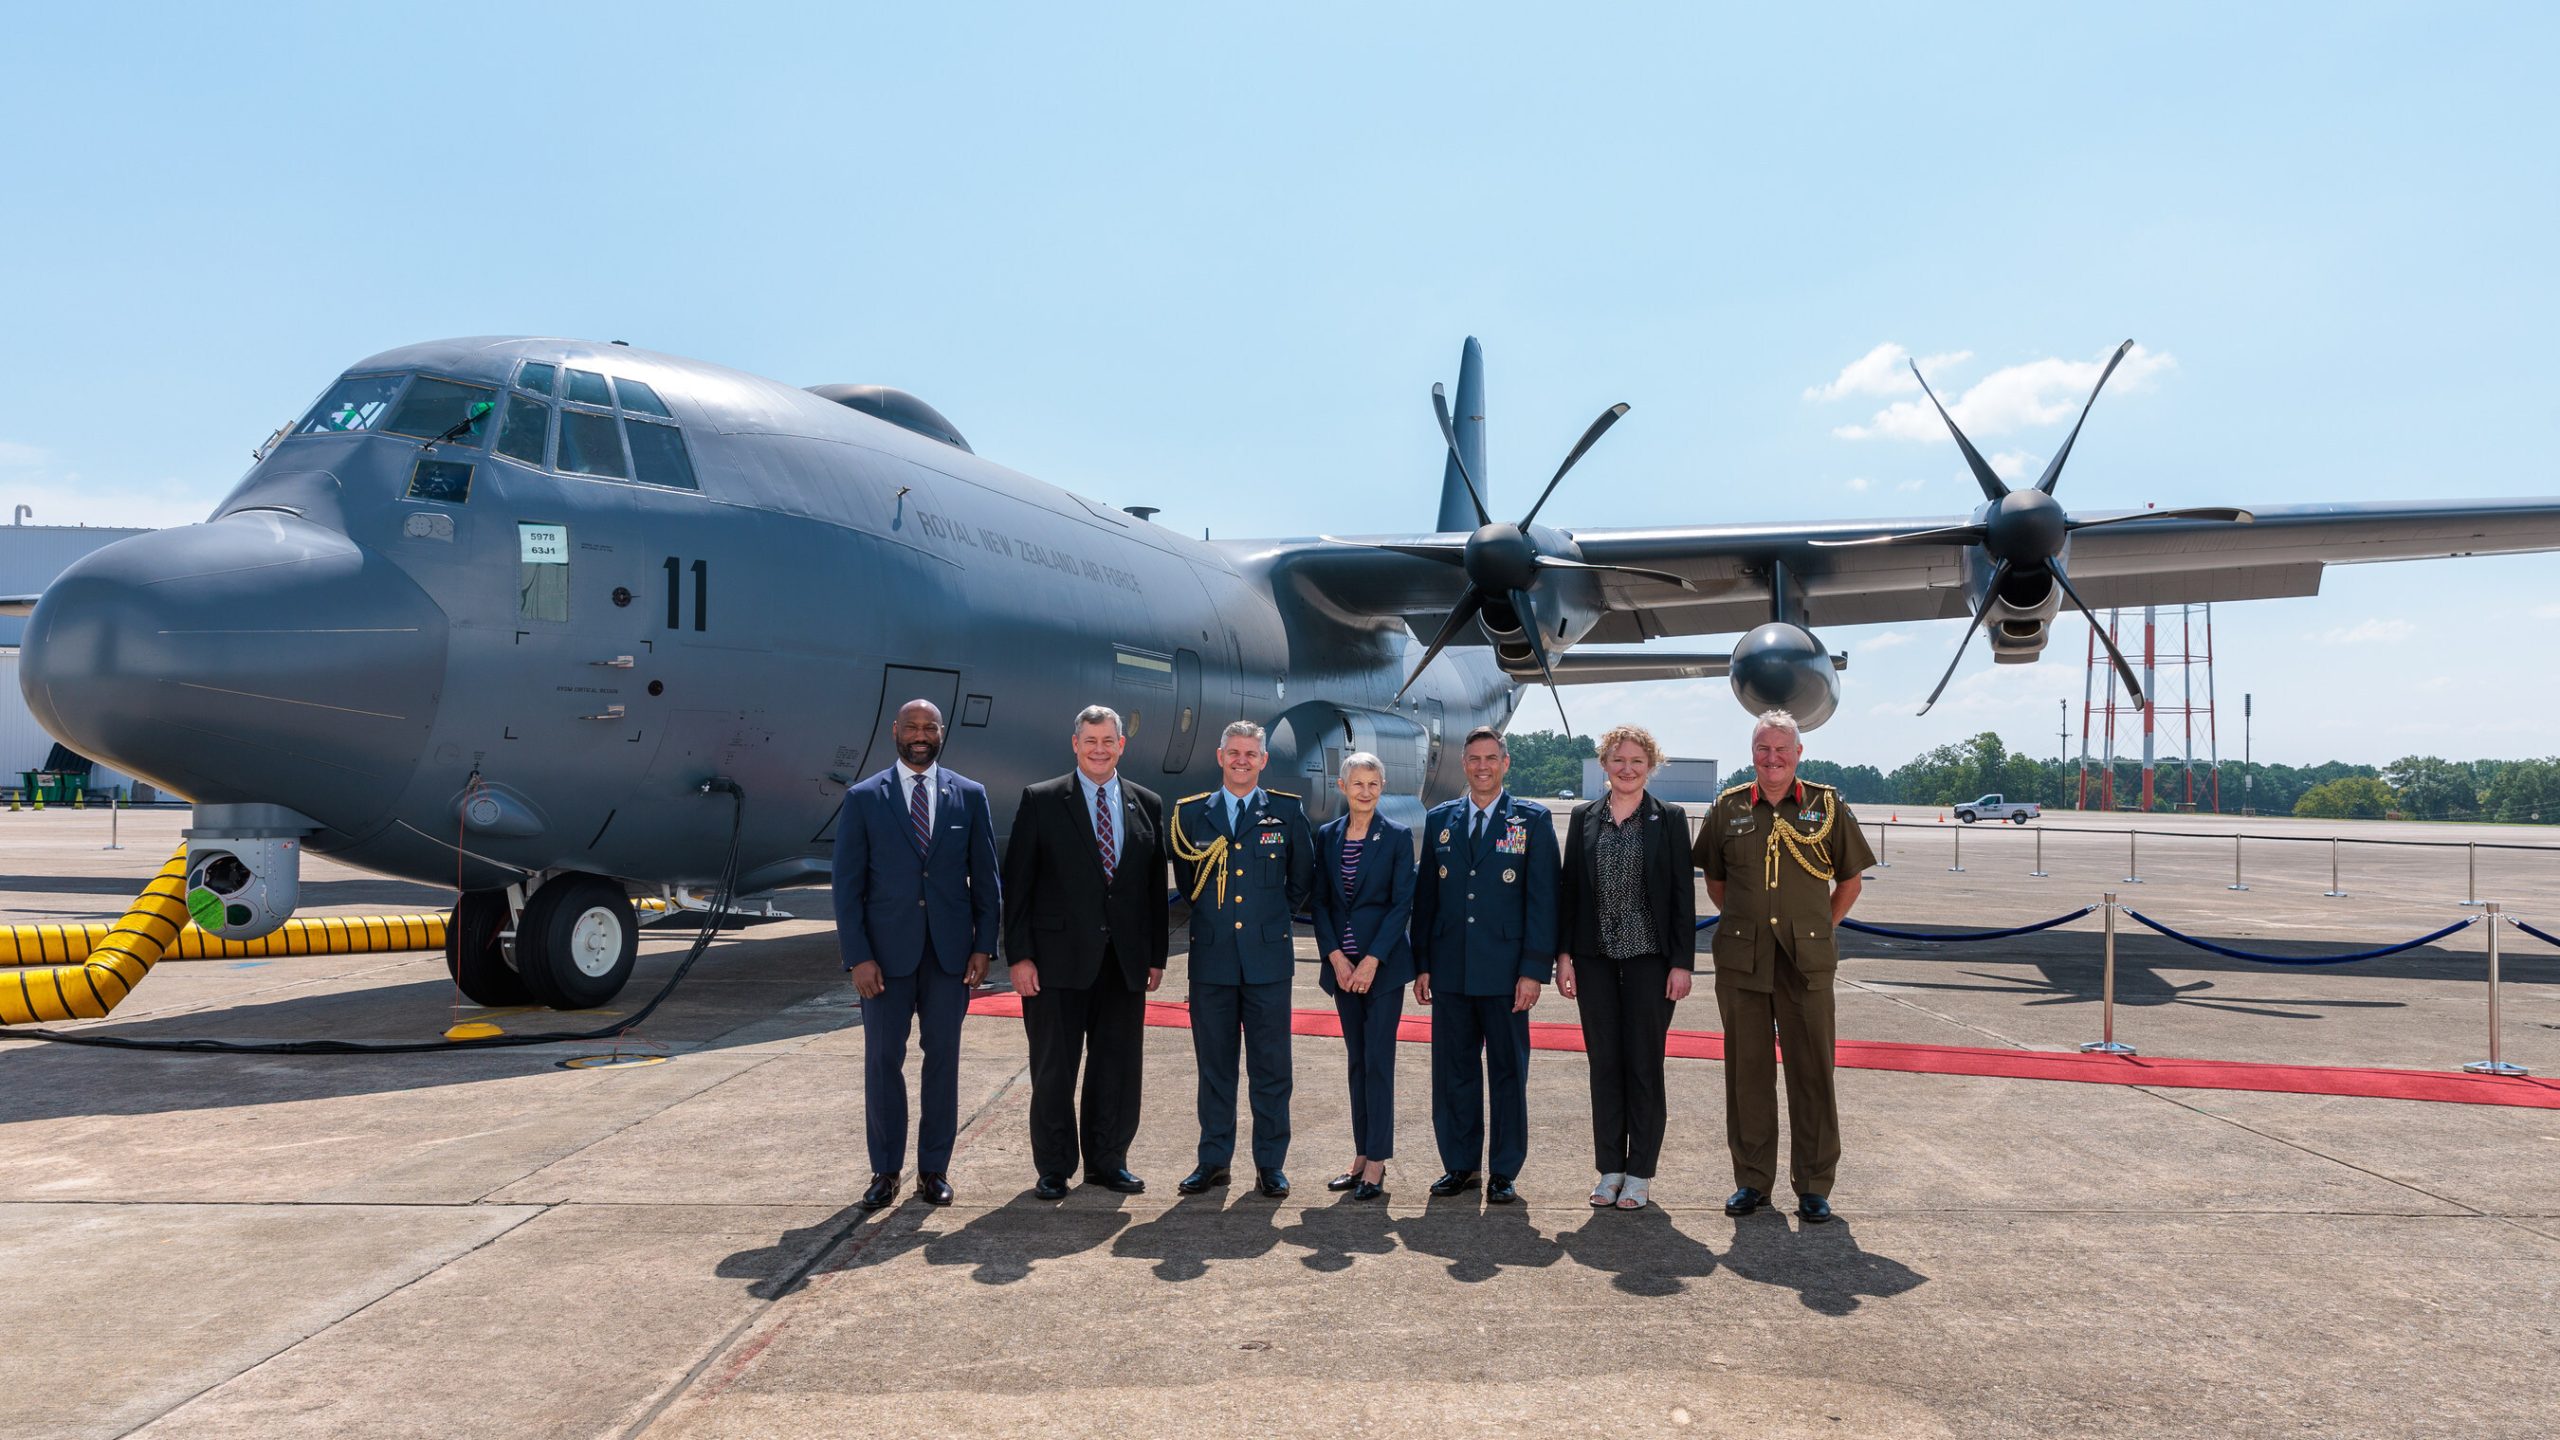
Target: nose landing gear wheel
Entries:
(576, 942)
(473, 953)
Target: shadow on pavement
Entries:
(1644, 1253)
(1821, 1263)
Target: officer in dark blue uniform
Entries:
(1484, 941)
(1246, 858)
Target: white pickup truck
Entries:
(1992, 807)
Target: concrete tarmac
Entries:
(488, 1243)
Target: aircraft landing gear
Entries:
(475, 950)
(576, 941)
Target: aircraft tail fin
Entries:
(1457, 512)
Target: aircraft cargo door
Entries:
(1183, 735)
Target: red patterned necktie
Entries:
(1102, 828)
(921, 816)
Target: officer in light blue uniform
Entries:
(1484, 942)
(1245, 856)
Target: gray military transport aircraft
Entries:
(526, 616)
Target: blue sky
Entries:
(1213, 261)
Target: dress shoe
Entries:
(1367, 1190)
(1453, 1182)
(933, 1187)
(1201, 1179)
(1498, 1190)
(1347, 1180)
(884, 1188)
(1745, 1200)
(1051, 1187)
(1119, 1182)
(1813, 1209)
(1272, 1184)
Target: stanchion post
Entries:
(2038, 872)
(1958, 867)
(2494, 1065)
(115, 821)
(2106, 1043)
(1884, 835)
(2236, 882)
(2471, 885)
(2132, 858)
(2334, 892)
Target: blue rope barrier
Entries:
(1955, 936)
(2264, 959)
(2542, 935)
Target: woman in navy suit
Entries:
(1363, 904)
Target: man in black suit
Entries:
(1086, 932)
(916, 905)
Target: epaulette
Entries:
(1284, 794)
(1737, 789)
(1203, 795)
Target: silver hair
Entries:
(1099, 715)
(1245, 728)
(1362, 760)
(1778, 720)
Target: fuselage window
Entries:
(447, 481)
(526, 436)
(591, 444)
(536, 377)
(586, 387)
(432, 407)
(639, 397)
(657, 455)
(357, 402)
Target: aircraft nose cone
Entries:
(258, 658)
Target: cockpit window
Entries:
(526, 435)
(657, 455)
(536, 376)
(586, 387)
(357, 402)
(434, 407)
(639, 397)
(591, 444)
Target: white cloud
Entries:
(2546, 612)
(2039, 392)
(2370, 632)
(2014, 465)
(1886, 641)
(1882, 371)
(1910, 485)
(1860, 484)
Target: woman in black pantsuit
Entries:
(1627, 906)
(1363, 906)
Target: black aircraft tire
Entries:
(473, 954)
(577, 941)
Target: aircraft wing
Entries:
(2160, 562)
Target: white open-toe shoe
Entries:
(1605, 1194)
(1631, 1195)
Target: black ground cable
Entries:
(721, 900)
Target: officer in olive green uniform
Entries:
(1782, 873)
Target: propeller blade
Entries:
(1589, 438)
(1449, 433)
(2185, 512)
(1558, 562)
(1465, 610)
(2053, 467)
(1998, 574)
(1942, 535)
(2124, 671)
(1538, 647)
(1993, 487)
(1445, 554)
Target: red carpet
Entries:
(2444, 1087)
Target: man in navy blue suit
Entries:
(916, 915)
(1484, 942)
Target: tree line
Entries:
(2416, 787)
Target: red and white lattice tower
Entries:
(2176, 652)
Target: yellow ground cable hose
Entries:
(324, 935)
(87, 991)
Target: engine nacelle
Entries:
(1782, 667)
(1308, 742)
(2018, 617)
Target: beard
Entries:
(920, 754)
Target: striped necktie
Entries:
(1102, 830)
(920, 815)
